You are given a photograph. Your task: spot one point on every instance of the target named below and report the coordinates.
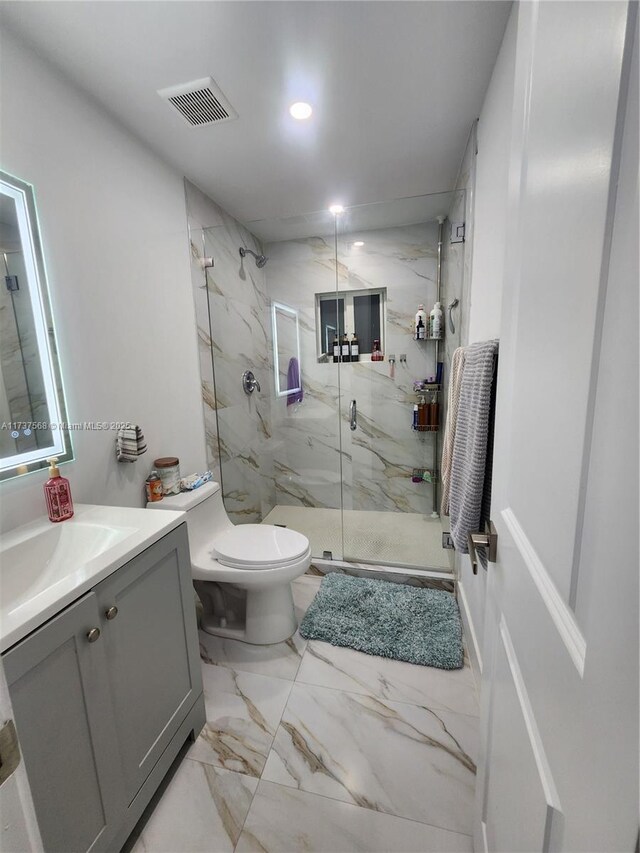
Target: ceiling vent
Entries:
(200, 102)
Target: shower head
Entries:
(260, 259)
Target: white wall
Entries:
(483, 304)
(114, 231)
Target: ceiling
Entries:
(395, 87)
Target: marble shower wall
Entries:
(311, 439)
(234, 335)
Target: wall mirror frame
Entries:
(286, 345)
(33, 422)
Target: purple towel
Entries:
(294, 381)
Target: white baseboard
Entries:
(475, 652)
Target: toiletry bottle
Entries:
(344, 349)
(57, 493)
(422, 414)
(414, 425)
(355, 348)
(376, 355)
(336, 349)
(421, 324)
(434, 411)
(436, 321)
(153, 487)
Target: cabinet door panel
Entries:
(152, 651)
(64, 720)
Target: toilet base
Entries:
(269, 614)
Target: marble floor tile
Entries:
(243, 712)
(282, 820)
(202, 809)
(304, 590)
(280, 660)
(392, 757)
(346, 669)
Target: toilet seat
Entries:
(259, 546)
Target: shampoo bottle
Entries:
(336, 349)
(435, 319)
(355, 348)
(345, 354)
(57, 492)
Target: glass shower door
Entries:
(387, 267)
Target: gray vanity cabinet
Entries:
(149, 628)
(105, 694)
(62, 708)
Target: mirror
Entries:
(286, 347)
(32, 411)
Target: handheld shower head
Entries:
(260, 259)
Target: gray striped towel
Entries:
(130, 443)
(453, 401)
(470, 488)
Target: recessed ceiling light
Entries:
(300, 110)
(336, 209)
(359, 243)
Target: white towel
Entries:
(453, 401)
(130, 443)
(470, 489)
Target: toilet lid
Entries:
(259, 544)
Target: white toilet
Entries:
(242, 574)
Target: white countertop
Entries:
(45, 566)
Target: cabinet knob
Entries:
(112, 612)
(93, 635)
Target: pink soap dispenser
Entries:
(57, 492)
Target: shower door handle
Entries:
(353, 415)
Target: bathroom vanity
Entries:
(100, 651)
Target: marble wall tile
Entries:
(391, 757)
(376, 461)
(282, 820)
(234, 335)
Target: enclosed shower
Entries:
(322, 436)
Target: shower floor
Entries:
(387, 538)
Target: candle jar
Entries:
(168, 467)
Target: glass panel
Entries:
(279, 450)
(390, 493)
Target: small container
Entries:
(376, 355)
(57, 493)
(414, 424)
(168, 468)
(153, 487)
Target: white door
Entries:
(559, 720)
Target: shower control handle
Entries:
(249, 382)
(353, 415)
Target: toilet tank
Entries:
(206, 515)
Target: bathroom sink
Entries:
(45, 566)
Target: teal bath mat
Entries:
(387, 619)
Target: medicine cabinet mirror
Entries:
(32, 406)
(286, 348)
